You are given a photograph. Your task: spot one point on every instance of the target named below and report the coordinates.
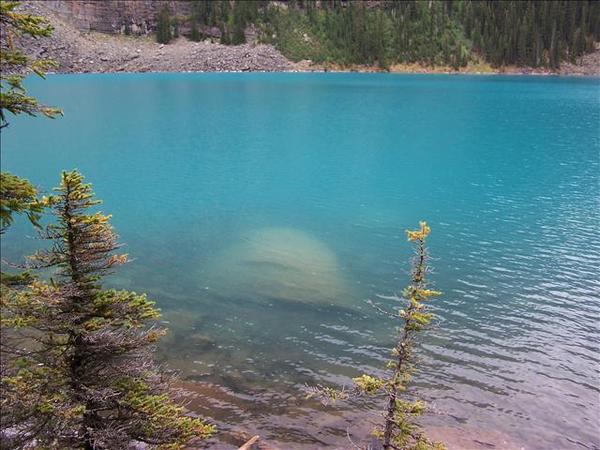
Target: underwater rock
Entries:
(278, 264)
(200, 341)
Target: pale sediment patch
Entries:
(283, 264)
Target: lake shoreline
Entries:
(251, 62)
(348, 71)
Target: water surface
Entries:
(262, 210)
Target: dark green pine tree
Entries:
(77, 359)
(17, 195)
(194, 33)
(163, 26)
(399, 429)
(239, 25)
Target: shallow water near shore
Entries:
(262, 210)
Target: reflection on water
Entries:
(264, 209)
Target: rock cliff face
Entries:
(113, 16)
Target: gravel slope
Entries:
(95, 52)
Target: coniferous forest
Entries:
(445, 33)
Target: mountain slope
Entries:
(292, 40)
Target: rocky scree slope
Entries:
(79, 52)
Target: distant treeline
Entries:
(433, 32)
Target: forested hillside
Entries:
(431, 32)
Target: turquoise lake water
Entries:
(262, 210)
